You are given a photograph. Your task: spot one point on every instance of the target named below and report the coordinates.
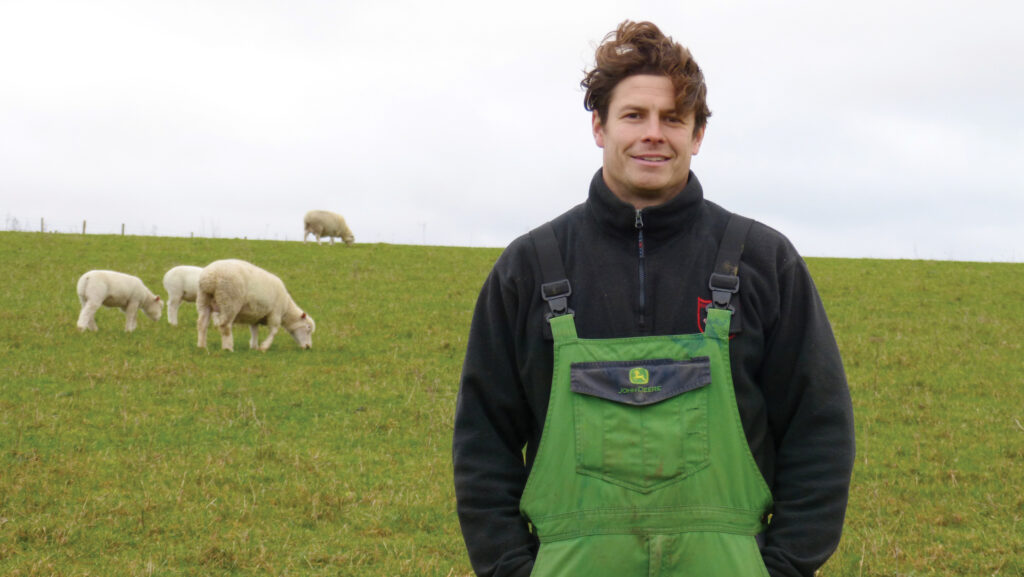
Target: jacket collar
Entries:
(661, 221)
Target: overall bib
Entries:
(643, 468)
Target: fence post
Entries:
(122, 229)
(83, 227)
(42, 225)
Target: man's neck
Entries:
(640, 202)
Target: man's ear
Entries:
(595, 121)
(697, 140)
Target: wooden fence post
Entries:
(122, 229)
(83, 227)
(42, 225)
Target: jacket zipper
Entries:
(639, 224)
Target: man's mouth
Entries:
(651, 157)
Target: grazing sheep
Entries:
(182, 284)
(326, 223)
(243, 293)
(107, 288)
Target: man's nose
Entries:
(652, 130)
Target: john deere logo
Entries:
(639, 376)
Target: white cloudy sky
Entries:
(888, 129)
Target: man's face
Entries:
(647, 143)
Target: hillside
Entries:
(140, 454)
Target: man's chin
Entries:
(656, 189)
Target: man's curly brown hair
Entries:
(640, 48)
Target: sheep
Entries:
(326, 223)
(98, 288)
(243, 293)
(182, 284)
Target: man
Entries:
(632, 402)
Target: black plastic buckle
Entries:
(556, 294)
(723, 286)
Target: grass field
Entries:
(140, 454)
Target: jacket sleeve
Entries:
(810, 416)
(492, 421)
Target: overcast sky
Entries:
(888, 129)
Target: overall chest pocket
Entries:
(641, 424)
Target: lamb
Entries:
(108, 288)
(182, 284)
(326, 223)
(241, 292)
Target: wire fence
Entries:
(16, 224)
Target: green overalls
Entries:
(643, 467)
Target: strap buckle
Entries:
(723, 286)
(556, 294)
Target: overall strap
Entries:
(725, 280)
(555, 288)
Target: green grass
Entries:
(140, 454)
(933, 355)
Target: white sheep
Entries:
(326, 223)
(243, 293)
(182, 284)
(107, 288)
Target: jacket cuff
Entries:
(523, 571)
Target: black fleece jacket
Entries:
(790, 385)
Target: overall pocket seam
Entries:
(598, 420)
